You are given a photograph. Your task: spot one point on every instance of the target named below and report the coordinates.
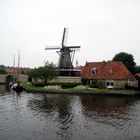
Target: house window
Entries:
(94, 70)
(110, 84)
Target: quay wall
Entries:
(22, 77)
(66, 79)
(2, 78)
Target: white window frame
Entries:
(94, 69)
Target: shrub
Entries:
(101, 84)
(69, 85)
(130, 87)
(84, 81)
(93, 83)
(38, 84)
(97, 84)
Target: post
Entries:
(18, 65)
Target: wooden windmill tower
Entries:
(66, 57)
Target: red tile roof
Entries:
(106, 70)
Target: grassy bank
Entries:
(78, 90)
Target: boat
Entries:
(16, 86)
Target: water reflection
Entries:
(56, 106)
(41, 104)
(68, 117)
(114, 111)
(2, 89)
(73, 114)
(64, 117)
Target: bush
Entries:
(38, 84)
(84, 81)
(29, 79)
(69, 85)
(97, 84)
(101, 84)
(94, 84)
(130, 87)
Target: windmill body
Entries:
(66, 58)
(65, 61)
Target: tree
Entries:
(137, 69)
(45, 73)
(2, 66)
(127, 60)
(2, 69)
(33, 74)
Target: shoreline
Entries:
(72, 91)
(86, 93)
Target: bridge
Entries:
(10, 77)
(24, 78)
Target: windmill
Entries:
(66, 56)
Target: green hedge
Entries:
(84, 81)
(38, 84)
(98, 84)
(68, 85)
(63, 85)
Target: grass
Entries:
(29, 86)
(96, 90)
(78, 89)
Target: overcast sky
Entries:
(101, 27)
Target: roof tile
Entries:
(106, 70)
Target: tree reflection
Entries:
(41, 103)
(57, 108)
(107, 110)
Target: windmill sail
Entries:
(51, 47)
(64, 38)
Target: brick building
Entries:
(112, 73)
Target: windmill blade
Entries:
(65, 36)
(73, 47)
(50, 47)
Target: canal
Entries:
(39, 116)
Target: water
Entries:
(68, 117)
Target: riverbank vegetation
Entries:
(77, 90)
